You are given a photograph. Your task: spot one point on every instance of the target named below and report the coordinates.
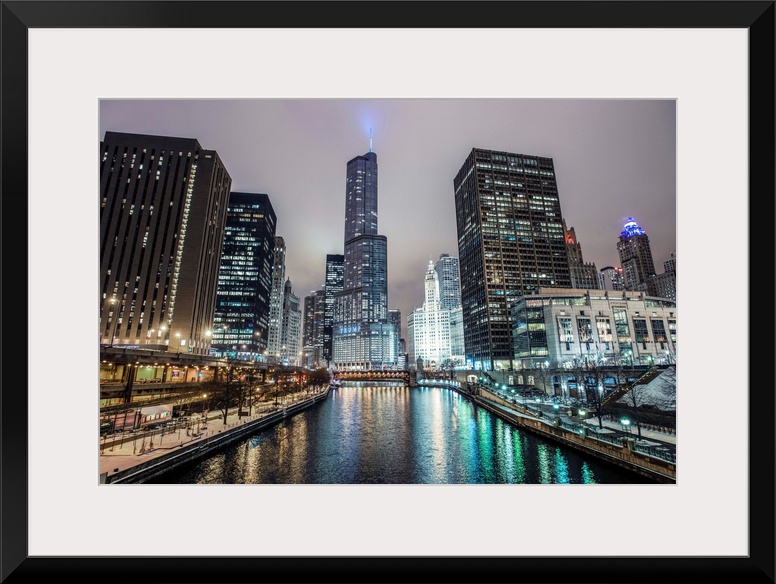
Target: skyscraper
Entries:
(291, 328)
(394, 318)
(275, 329)
(428, 327)
(449, 276)
(584, 276)
(312, 335)
(245, 278)
(635, 256)
(510, 243)
(362, 337)
(162, 215)
(334, 282)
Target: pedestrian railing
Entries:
(656, 451)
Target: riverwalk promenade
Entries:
(650, 453)
(122, 452)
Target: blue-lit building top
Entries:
(631, 229)
(635, 256)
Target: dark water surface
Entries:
(397, 435)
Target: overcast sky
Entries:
(613, 159)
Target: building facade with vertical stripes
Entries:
(163, 205)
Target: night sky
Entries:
(613, 159)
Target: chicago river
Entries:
(394, 434)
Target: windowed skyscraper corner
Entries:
(362, 338)
(449, 276)
(241, 324)
(163, 206)
(510, 243)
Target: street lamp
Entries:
(179, 341)
(206, 412)
(625, 425)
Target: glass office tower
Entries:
(362, 337)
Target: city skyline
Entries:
(614, 159)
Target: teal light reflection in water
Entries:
(485, 444)
(366, 434)
(588, 477)
(561, 468)
(544, 464)
(519, 467)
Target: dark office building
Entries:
(163, 203)
(510, 244)
(334, 282)
(245, 278)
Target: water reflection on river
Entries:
(397, 435)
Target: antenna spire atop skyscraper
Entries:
(370, 139)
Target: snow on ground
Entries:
(660, 392)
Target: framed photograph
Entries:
(713, 59)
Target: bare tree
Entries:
(226, 393)
(543, 373)
(637, 397)
(590, 375)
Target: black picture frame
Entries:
(19, 16)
